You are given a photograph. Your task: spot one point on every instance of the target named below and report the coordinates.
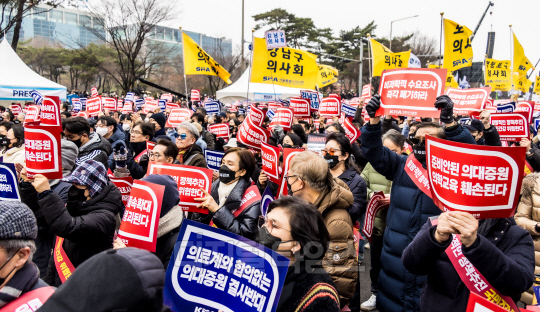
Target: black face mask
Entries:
(285, 145)
(76, 194)
(411, 136)
(4, 141)
(3, 279)
(480, 141)
(289, 188)
(77, 142)
(138, 147)
(332, 161)
(226, 175)
(419, 151)
(266, 239)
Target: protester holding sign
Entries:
(14, 152)
(410, 204)
(86, 225)
(190, 154)
(106, 126)
(18, 229)
(490, 133)
(125, 163)
(394, 141)
(229, 204)
(493, 258)
(91, 145)
(296, 229)
(310, 179)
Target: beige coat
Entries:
(527, 216)
(340, 260)
(14, 155)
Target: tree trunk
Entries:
(18, 24)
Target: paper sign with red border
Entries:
(372, 209)
(256, 115)
(149, 105)
(270, 162)
(171, 106)
(195, 95)
(42, 151)
(119, 105)
(16, 109)
(366, 91)
(252, 135)
(177, 116)
(29, 301)
(141, 218)
(283, 117)
(350, 130)
(300, 107)
(109, 103)
(167, 96)
(190, 180)
(32, 115)
(124, 185)
(489, 103)
(527, 107)
(511, 126)
(479, 304)
(150, 145)
(536, 107)
(273, 105)
(484, 181)
(50, 111)
(221, 130)
(411, 92)
(94, 91)
(288, 154)
(127, 108)
(83, 114)
(330, 107)
(467, 101)
(94, 106)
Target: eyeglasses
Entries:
(182, 136)
(330, 151)
(136, 132)
(154, 155)
(415, 140)
(271, 225)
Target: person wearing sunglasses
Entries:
(295, 229)
(189, 153)
(409, 205)
(310, 179)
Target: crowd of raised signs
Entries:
(103, 205)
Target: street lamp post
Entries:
(243, 64)
(391, 27)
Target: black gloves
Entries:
(120, 156)
(447, 108)
(373, 105)
(537, 227)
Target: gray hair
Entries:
(397, 138)
(190, 128)
(12, 245)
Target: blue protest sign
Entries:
(129, 96)
(463, 121)
(242, 111)
(270, 114)
(267, 198)
(83, 103)
(77, 106)
(313, 96)
(37, 97)
(536, 123)
(213, 159)
(212, 107)
(138, 104)
(9, 189)
(162, 104)
(506, 108)
(285, 103)
(213, 269)
(349, 110)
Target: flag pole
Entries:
(369, 57)
(440, 40)
(184, 60)
(251, 61)
(511, 59)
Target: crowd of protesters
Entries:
(328, 196)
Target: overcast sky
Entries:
(223, 18)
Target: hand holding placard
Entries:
(207, 202)
(465, 224)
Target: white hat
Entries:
(231, 143)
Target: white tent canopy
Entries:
(18, 80)
(257, 91)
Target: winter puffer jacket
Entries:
(528, 216)
(399, 290)
(504, 256)
(246, 224)
(195, 157)
(358, 188)
(87, 227)
(340, 260)
(119, 136)
(377, 182)
(97, 148)
(13, 155)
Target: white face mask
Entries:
(126, 127)
(146, 119)
(102, 131)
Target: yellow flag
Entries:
(198, 62)
(537, 85)
(384, 59)
(458, 51)
(521, 83)
(283, 66)
(497, 75)
(450, 79)
(327, 75)
(521, 62)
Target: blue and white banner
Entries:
(37, 97)
(285, 103)
(212, 107)
(162, 104)
(536, 124)
(213, 159)
(17, 94)
(463, 121)
(349, 110)
(313, 96)
(267, 198)
(138, 104)
(129, 96)
(83, 103)
(9, 188)
(242, 111)
(77, 105)
(215, 270)
(270, 114)
(506, 108)
(265, 97)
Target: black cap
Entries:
(474, 125)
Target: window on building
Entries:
(99, 23)
(71, 18)
(159, 33)
(40, 13)
(56, 16)
(85, 21)
(168, 34)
